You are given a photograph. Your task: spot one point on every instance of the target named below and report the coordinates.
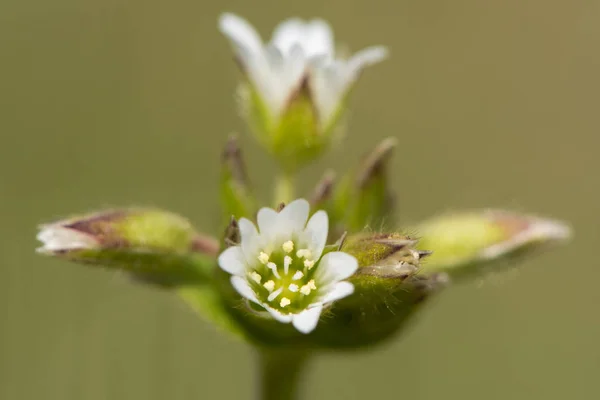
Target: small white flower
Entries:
(300, 53)
(295, 294)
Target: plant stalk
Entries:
(280, 374)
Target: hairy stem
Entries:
(280, 373)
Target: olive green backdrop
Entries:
(128, 102)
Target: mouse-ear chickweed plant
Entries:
(297, 277)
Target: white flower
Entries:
(300, 53)
(281, 266)
(56, 238)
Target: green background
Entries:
(128, 102)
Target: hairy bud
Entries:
(152, 245)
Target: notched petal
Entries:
(306, 321)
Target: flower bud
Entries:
(389, 289)
(364, 198)
(295, 86)
(154, 246)
(464, 243)
(236, 195)
(384, 255)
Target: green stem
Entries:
(284, 188)
(280, 373)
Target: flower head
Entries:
(297, 82)
(281, 266)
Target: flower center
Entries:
(283, 278)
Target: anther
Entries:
(255, 276)
(269, 285)
(288, 246)
(293, 287)
(298, 275)
(284, 302)
(311, 284)
(309, 263)
(305, 290)
(263, 257)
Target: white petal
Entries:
(365, 58)
(328, 83)
(315, 37)
(56, 238)
(316, 232)
(267, 223)
(241, 33)
(232, 261)
(284, 318)
(243, 288)
(250, 240)
(294, 215)
(288, 33)
(339, 291)
(307, 320)
(335, 266)
(318, 39)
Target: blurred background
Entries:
(128, 102)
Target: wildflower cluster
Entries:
(278, 271)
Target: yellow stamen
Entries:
(284, 302)
(293, 287)
(255, 276)
(263, 257)
(288, 246)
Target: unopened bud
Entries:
(365, 198)
(322, 193)
(152, 245)
(388, 289)
(383, 255)
(236, 195)
(463, 243)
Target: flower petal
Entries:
(335, 266)
(293, 217)
(316, 232)
(241, 33)
(243, 288)
(339, 291)
(250, 239)
(307, 320)
(318, 39)
(315, 37)
(364, 58)
(267, 223)
(328, 82)
(57, 238)
(232, 261)
(283, 318)
(288, 33)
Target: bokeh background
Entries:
(128, 102)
